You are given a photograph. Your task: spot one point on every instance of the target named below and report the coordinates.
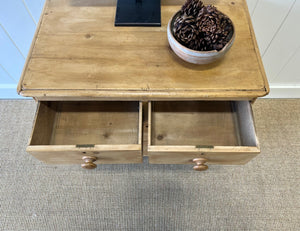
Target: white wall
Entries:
(18, 19)
(275, 24)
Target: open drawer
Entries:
(222, 132)
(64, 132)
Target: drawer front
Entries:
(64, 156)
(64, 132)
(188, 157)
(221, 132)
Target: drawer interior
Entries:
(87, 122)
(201, 123)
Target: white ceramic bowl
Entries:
(193, 56)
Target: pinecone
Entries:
(202, 28)
(192, 7)
(185, 29)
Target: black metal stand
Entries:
(138, 13)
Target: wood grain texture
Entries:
(79, 53)
(212, 158)
(221, 132)
(73, 156)
(72, 123)
(193, 123)
(200, 164)
(43, 123)
(89, 162)
(65, 131)
(97, 123)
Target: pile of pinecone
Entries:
(202, 28)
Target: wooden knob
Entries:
(200, 164)
(89, 162)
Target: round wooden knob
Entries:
(89, 162)
(200, 164)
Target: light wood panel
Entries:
(72, 123)
(65, 131)
(97, 123)
(44, 123)
(193, 123)
(79, 53)
(74, 156)
(221, 132)
(184, 157)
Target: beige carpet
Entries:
(262, 195)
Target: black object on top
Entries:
(138, 13)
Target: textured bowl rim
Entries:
(229, 43)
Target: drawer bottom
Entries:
(222, 132)
(174, 132)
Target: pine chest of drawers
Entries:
(110, 95)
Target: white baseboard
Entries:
(284, 91)
(9, 91)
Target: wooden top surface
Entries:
(77, 53)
